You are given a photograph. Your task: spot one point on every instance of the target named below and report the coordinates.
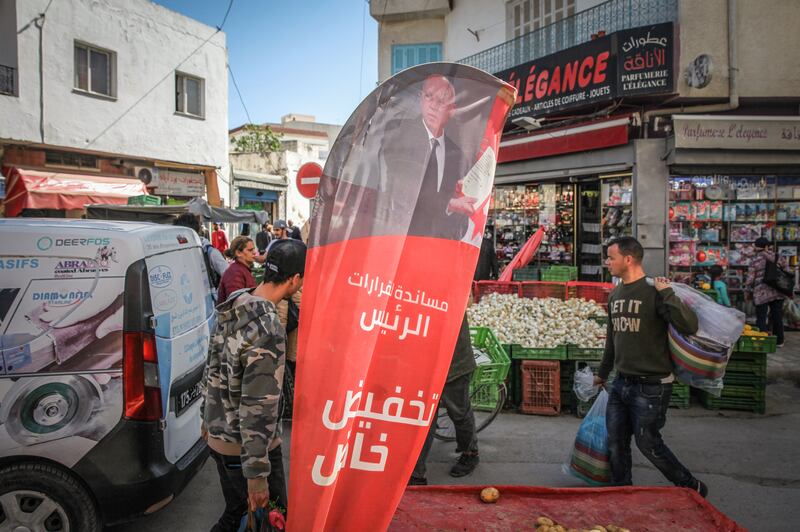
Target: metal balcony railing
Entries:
(7, 83)
(610, 16)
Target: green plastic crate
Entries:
(740, 391)
(484, 398)
(720, 403)
(756, 358)
(559, 276)
(575, 352)
(496, 371)
(539, 353)
(681, 395)
(757, 344)
(602, 320)
(745, 379)
(526, 274)
(757, 368)
(144, 199)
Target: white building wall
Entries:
(149, 41)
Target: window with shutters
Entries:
(530, 15)
(408, 55)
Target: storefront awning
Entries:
(35, 189)
(577, 138)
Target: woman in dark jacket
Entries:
(764, 296)
(238, 275)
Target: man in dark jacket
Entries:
(263, 238)
(455, 397)
(639, 314)
(487, 268)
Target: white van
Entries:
(104, 329)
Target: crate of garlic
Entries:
(539, 328)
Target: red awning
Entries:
(580, 137)
(35, 189)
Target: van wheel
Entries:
(42, 497)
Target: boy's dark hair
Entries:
(189, 220)
(629, 247)
(715, 272)
(285, 259)
(761, 243)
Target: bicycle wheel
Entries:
(484, 411)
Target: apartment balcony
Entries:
(400, 10)
(610, 16)
(8, 80)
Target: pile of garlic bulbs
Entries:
(542, 323)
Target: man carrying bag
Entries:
(639, 315)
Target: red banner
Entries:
(395, 235)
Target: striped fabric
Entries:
(589, 459)
(695, 360)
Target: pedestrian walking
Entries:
(456, 400)
(241, 414)
(487, 268)
(239, 274)
(280, 230)
(765, 298)
(218, 238)
(639, 315)
(263, 238)
(215, 262)
(294, 231)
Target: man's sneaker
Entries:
(465, 465)
(701, 488)
(781, 344)
(417, 481)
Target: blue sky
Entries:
(301, 56)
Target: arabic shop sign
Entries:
(631, 62)
(737, 132)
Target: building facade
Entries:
(674, 121)
(123, 89)
(303, 140)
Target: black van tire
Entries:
(56, 484)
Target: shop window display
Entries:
(715, 220)
(616, 194)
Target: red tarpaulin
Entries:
(35, 189)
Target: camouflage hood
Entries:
(244, 377)
(240, 308)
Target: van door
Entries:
(183, 311)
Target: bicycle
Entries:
(487, 401)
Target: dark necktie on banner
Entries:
(392, 252)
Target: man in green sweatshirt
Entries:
(639, 313)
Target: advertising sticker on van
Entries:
(160, 276)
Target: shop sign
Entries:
(175, 183)
(631, 62)
(737, 132)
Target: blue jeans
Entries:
(639, 409)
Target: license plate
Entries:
(187, 395)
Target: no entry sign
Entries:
(308, 179)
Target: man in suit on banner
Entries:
(426, 167)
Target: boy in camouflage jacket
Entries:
(243, 381)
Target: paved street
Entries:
(750, 462)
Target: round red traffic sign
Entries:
(307, 180)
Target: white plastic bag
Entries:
(718, 325)
(589, 459)
(584, 386)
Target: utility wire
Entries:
(363, 39)
(241, 99)
(160, 81)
